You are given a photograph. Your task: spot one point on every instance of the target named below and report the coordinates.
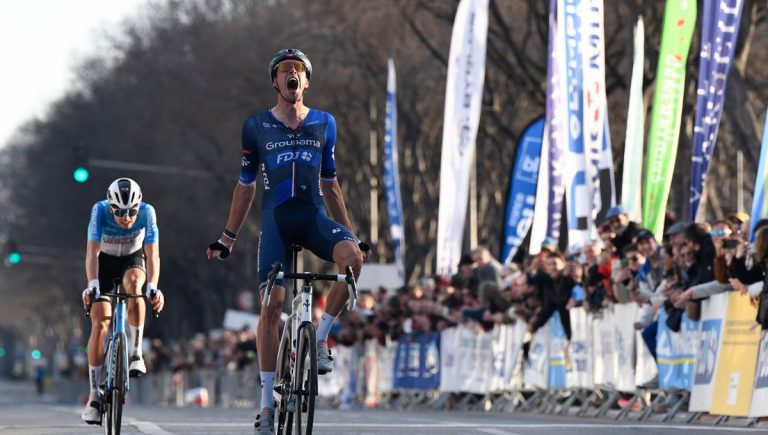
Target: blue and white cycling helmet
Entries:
(289, 54)
(124, 193)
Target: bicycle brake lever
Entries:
(271, 278)
(352, 288)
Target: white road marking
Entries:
(474, 425)
(496, 431)
(147, 427)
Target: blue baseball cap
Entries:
(615, 211)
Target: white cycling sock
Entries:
(324, 327)
(94, 377)
(267, 384)
(137, 335)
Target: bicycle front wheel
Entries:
(305, 381)
(283, 382)
(117, 394)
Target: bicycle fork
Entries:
(302, 303)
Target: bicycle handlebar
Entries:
(118, 295)
(276, 273)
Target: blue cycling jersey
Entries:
(118, 241)
(292, 162)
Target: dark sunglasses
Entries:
(123, 212)
(634, 258)
(285, 67)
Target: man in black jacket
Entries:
(623, 228)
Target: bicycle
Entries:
(116, 382)
(296, 372)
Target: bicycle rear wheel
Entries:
(283, 382)
(117, 394)
(305, 381)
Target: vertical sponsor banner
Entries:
(557, 343)
(522, 190)
(735, 372)
(449, 360)
(541, 208)
(604, 345)
(580, 373)
(506, 347)
(624, 316)
(760, 196)
(679, 21)
(463, 100)
(759, 407)
(708, 351)
(597, 140)
(392, 171)
(536, 368)
(556, 123)
(633, 144)
(719, 32)
(577, 180)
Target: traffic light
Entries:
(81, 172)
(12, 254)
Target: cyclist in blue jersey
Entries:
(122, 243)
(292, 146)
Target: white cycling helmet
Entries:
(124, 193)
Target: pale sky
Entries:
(41, 42)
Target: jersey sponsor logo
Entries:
(245, 162)
(268, 125)
(294, 155)
(292, 143)
(335, 230)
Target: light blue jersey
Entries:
(117, 241)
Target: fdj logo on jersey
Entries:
(305, 156)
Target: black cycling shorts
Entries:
(111, 268)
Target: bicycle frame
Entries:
(119, 313)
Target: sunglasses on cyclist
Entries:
(123, 212)
(286, 67)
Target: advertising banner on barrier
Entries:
(645, 366)
(624, 316)
(536, 369)
(675, 353)
(386, 358)
(604, 345)
(735, 371)
(475, 361)
(759, 407)
(580, 374)
(417, 363)
(708, 351)
(557, 342)
(506, 350)
(449, 360)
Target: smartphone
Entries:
(624, 262)
(730, 243)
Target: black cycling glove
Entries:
(222, 248)
(364, 246)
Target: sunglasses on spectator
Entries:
(123, 212)
(720, 232)
(633, 258)
(285, 67)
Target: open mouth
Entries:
(293, 84)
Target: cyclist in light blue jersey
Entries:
(292, 147)
(123, 243)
